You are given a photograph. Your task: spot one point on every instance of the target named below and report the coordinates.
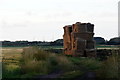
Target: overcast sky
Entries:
(45, 19)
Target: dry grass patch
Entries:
(37, 61)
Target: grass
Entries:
(72, 74)
(11, 71)
(86, 64)
(44, 62)
(10, 62)
(106, 47)
(51, 47)
(31, 61)
(110, 67)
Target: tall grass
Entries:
(110, 67)
(37, 61)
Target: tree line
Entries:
(58, 42)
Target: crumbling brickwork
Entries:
(78, 40)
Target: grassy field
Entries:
(107, 47)
(18, 63)
(11, 58)
(97, 46)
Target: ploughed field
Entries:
(18, 63)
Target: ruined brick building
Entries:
(78, 40)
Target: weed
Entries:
(44, 62)
(110, 67)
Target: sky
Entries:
(43, 20)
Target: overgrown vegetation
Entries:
(110, 67)
(37, 61)
(33, 61)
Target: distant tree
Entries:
(114, 41)
(99, 40)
